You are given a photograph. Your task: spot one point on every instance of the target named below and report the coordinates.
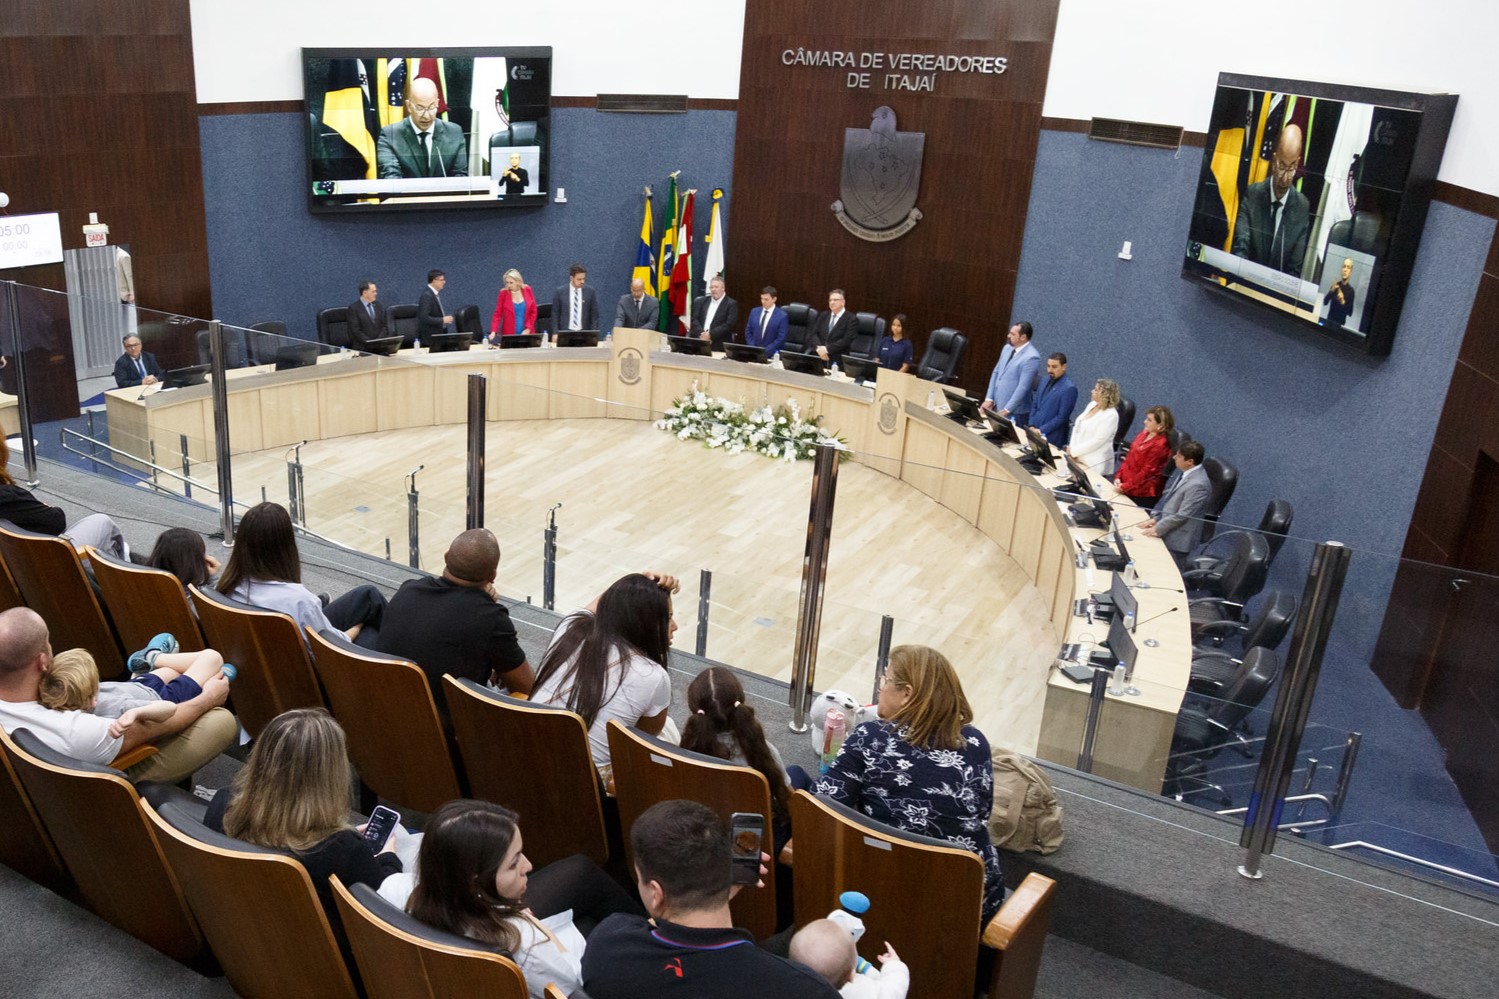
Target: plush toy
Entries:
(853, 713)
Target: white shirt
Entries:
(708, 316)
(890, 981)
(78, 734)
(1093, 438)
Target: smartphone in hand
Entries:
(746, 834)
(382, 823)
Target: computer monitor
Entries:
(963, 408)
(690, 345)
(1001, 430)
(384, 346)
(439, 343)
(182, 377)
(1081, 484)
(1123, 599)
(520, 341)
(1121, 644)
(807, 364)
(1040, 448)
(576, 338)
(296, 355)
(861, 369)
(744, 352)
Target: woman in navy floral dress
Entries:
(922, 767)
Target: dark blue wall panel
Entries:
(1341, 435)
(269, 258)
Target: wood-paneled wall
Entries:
(101, 115)
(958, 266)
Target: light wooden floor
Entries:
(636, 498)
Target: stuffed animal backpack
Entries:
(854, 714)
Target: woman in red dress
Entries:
(1143, 472)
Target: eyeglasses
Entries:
(419, 109)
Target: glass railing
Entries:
(645, 460)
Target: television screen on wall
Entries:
(1311, 200)
(403, 129)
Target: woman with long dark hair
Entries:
(265, 570)
(182, 552)
(609, 661)
(473, 879)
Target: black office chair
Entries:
(1126, 410)
(543, 318)
(1225, 595)
(868, 329)
(262, 340)
(467, 321)
(520, 133)
(1224, 479)
(1203, 730)
(333, 327)
(403, 323)
(1213, 668)
(943, 354)
(801, 319)
(235, 353)
(1274, 525)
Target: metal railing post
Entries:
(882, 656)
(220, 389)
(413, 525)
(704, 589)
(549, 560)
(187, 468)
(477, 404)
(814, 579)
(1319, 603)
(23, 394)
(1090, 726)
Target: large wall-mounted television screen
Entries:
(1312, 198)
(412, 129)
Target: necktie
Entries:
(141, 367)
(370, 308)
(764, 323)
(577, 311)
(426, 154)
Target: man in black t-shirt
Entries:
(689, 949)
(454, 623)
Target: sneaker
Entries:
(142, 661)
(230, 672)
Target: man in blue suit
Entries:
(1015, 377)
(1051, 411)
(135, 366)
(767, 324)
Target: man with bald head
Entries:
(1274, 218)
(455, 623)
(199, 730)
(637, 310)
(423, 145)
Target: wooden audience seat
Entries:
(275, 670)
(98, 824)
(144, 602)
(49, 575)
(534, 759)
(9, 595)
(258, 910)
(386, 710)
(25, 846)
(937, 932)
(648, 770)
(400, 957)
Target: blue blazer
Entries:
(126, 374)
(1051, 411)
(775, 331)
(1014, 381)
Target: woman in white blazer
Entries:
(1093, 432)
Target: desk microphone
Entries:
(1168, 610)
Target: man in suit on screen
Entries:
(574, 305)
(1177, 517)
(835, 329)
(1274, 218)
(422, 145)
(637, 310)
(431, 317)
(366, 316)
(768, 324)
(715, 316)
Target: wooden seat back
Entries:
(399, 957)
(275, 671)
(925, 895)
(99, 826)
(9, 595)
(386, 710)
(1017, 933)
(49, 575)
(648, 770)
(144, 602)
(258, 909)
(534, 759)
(25, 845)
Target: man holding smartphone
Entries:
(683, 863)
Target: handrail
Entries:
(1364, 845)
(186, 480)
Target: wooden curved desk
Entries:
(888, 426)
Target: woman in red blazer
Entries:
(1143, 472)
(515, 310)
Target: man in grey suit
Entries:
(1274, 218)
(637, 310)
(1176, 518)
(422, 145)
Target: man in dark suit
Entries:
(637, 310)
(135, 367)
(366, 317)
(715, 317)
(431, 317)
(422, 145)
(1274, 218)
(574, 305)
(835, 329)
(1177, 517)
(767, 326)
(1051, 411)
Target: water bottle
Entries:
(416, 343)
(834, 371)
(849, 915)
(833, 730)
(931, 400)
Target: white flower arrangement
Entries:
(776, 433)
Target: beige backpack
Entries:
(1026, 815)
